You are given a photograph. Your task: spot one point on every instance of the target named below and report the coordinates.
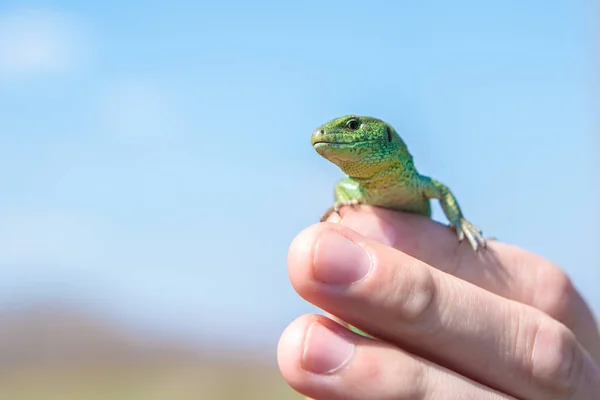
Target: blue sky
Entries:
(155, 157)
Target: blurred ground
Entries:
(56, 352)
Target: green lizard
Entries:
(380, 172)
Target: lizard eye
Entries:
(352, 124)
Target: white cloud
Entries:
(34, 42)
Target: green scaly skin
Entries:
(381, 172)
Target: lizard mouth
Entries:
(323, 143)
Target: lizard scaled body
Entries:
(380, 172)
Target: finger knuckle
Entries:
(555, 295)
(412, 293)
(556, 361)
(416, 383)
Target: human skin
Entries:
(452, 323)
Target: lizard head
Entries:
(360, 146)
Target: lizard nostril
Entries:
(322, 132)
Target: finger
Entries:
(505, 270)
(504, 344)
(323, 360)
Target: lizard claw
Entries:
(472, 233)
(335, 208)
(460, 234)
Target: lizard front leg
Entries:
(347, 193)
(436, 190)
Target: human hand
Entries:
(454, 324)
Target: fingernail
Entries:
(324, 350)
(339, 261)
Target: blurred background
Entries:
(155, 164)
